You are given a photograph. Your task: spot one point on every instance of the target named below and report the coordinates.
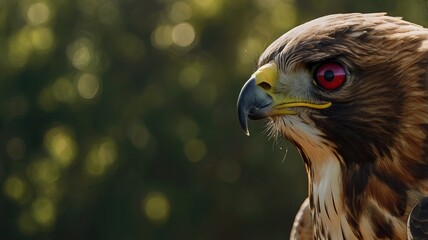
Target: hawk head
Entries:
(350, 91)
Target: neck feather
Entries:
(324, 170)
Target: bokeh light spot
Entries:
(16, 148)
(267, 3)
(209, 8)
(42, 39)
(38, 13)
(180, 11)
(81, 53)
(61, 145)
(183, 34)
(88, 86)
(20, 49)
(162, 36)
(63, 90)
(43, 211)
(44, 171)
(195, 150)
(157, 208)
(139, 135)
(15, 188)
(190, 76)
(101, 157)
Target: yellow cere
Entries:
(267, 73)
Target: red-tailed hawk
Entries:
(351, 92)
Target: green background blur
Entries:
(118, 118)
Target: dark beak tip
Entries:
(243, 120)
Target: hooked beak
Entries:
(258, 99)
(253, 103)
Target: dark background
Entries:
(118, 118)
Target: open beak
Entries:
(258, 99)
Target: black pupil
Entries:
(329, 75)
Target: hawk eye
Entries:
(330, 76)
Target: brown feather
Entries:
(378, 123)
(302, 226)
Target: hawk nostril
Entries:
(265, 85)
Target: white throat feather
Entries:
(323, 166)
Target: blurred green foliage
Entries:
(118, 118)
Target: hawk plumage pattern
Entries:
(351, 92)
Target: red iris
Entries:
(330, 76)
